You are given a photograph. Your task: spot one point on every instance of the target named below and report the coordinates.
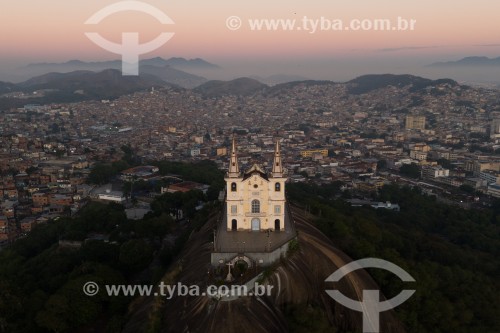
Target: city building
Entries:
(490, 176)
(495, 129)
(415, 122)
(494, 190)
(139, 172)
(114, 196)
(311, 152)
(418, 155)
(432, 172)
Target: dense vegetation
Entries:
(452, 253)
(410, 170)
(205, 172)
(41, 280)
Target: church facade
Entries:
(256, 225)
(255, 200)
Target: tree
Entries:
(381, 164)
(100, 174)
(305, 127)
(445, 163)
(119, 166)
(53, 315)
(31, 169)
(304, 174)
(410, 170)
(467, 188)
(136, 254)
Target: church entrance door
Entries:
(255, 224)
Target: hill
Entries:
(110, 82)
(278, 79)
(174, 76)
(179, 64)
(367, 83)
(7, 87)
(182, 63)
(52, 80)
(469, 62)
(283, 87)
(452, 253)
(298, 303)
(80, 85)
(242, 87)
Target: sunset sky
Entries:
(53, 31)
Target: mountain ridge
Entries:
(79, 86)
(469, 62)
(366, 83)
(157, 61)
(178, 71)
(241, 86)
(110, 84)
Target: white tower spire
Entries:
(234, 170)
(277, 166)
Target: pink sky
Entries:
(53, 30)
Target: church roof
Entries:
(255, 168)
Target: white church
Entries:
(255, 200)
(256, 223)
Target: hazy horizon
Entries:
(54, 32)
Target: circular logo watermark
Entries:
(371, 305)
(90, 288)
(233, 22)
(130, 48)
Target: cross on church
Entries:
(229, 277)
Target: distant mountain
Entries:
(79, 86)
(367, 83)
(306, 83)
(158, 61)
(242, 86)
(469, 62)
(283, 87)
(47, 81)
(174, 76)
(7, 87)
(278, 79)
(197, 63)
(72, 65)
(109, 82)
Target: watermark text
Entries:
(321, 24)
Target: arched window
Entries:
(255, 206)
(234, 225)
(277, 187)
(233, 187)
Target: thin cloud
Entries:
(406, 48)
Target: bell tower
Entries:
(234, 170)
(277, 166)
